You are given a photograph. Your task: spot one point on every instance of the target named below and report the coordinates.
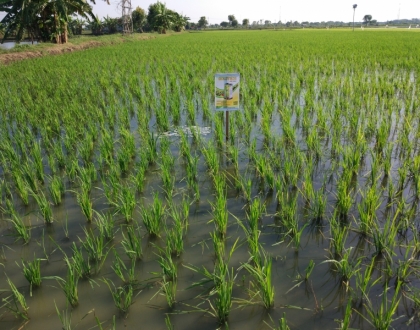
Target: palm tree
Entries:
(21, 15)
(179, 22)
(76, 25)
(354, 11)
(163, 18)
(111, 24)
(44, 19)
(96, 26)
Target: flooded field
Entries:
(123, 203)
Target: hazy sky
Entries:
(296, 10)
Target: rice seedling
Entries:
(407, 267)
(221, 269)
(16, 302)
(344, 199)
(289, 220)
(95, 246)
(367, 210)
(21, 187)
(125, 203)
(167, 265)
(32, 273)
(383, 240)
(382, 317)
(175, 238)
(87, 175)
(245, 185)
(122, 296)
(402, 176)
(180, 214)
(44, 206)
(151, 154)
(255, 211)
(364, 282)
(344, 324)
(283, 323)
(192, 172)
(128, 142)
(65, 318)
(86, 147)
(153, 216)
(21, 231)
(345, 268)
(318, 206)
(127, 276)
(338, 237)
(82, 267)
(223, 302)
(131, 242)
(56, 189)
(168, 323)
(138, 178)
(58, 154)
(105, 223)
(69, 285)
(123, 158)
(30, 176)
(261, 272)
(86, 205)
(220, 213)
(37, 161)
(168, 180)
(169, 290)
(219, 247)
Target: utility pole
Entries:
(126, 16)
(354, 11)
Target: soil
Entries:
(55, 49)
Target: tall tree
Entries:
(159, 17)
(367, 19)
(203, 22)
(179, 22)
(224, 24)
(234, 23)
(139, 19)
(231, 18)
(245, 22)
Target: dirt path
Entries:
(53, 49)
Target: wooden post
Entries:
(227, 125)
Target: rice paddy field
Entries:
(123, 205)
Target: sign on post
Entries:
(227, 91)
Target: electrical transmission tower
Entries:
(127, 19)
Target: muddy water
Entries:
(311, 305)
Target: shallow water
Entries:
(11, 44)
(314, 304)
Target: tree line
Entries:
(46, 20)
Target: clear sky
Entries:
(297, 10)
